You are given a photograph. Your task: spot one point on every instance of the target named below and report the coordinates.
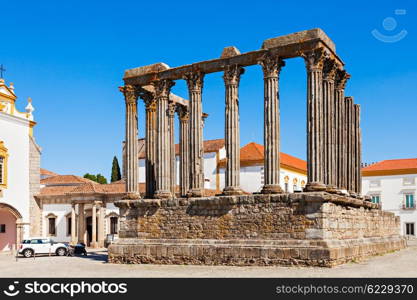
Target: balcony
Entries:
(405, 207)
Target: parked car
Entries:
(77, 249)
(41, 245)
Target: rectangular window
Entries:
(1, 170)
(376, 199)
(2, 228)
(113, 225)
(409, 200)
(375, 183)
(51, 226)
(69, 226)
(409, 228)
(408, 181)
(286, 187)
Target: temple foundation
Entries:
(325, 230)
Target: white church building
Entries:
(19, 170)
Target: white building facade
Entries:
(19, 171)
(393, 184)
(293, 170)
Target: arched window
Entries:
(3, 165)
(51, 223)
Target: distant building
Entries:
(393, 184)
(293, 175)
(293, 170)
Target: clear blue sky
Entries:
(70, 57)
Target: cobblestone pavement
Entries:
(399, 264)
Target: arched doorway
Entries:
(10, 235)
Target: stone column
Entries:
(101, 231)
(184, 116)
(81, 223)
(195, 86)
(162, 90)
(358, 151)
(150, 141)
(232, 175)
(73, 220)
(314, 63)
(340, 83)
(271, 67)
(94, 226)
(172, 157)
(132, 180)
(329, 130)
(349, 145)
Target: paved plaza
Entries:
(399, 264)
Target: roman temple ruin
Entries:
(329, 223)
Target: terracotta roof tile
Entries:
(65, 179)
(209, 146)
(56, 190)
(253, 153)
(47, 172)
(391, 167)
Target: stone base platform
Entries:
(309, 229)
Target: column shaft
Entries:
(172, 156)
(162, 90)
(150, 141)
(184, 117)
(271, 67)
(195, 86)
(358, 151)
(329, 130)
(314, 62)
(101, 231)
(73, 227)
(94, 226)
(81, 222)
(340, 83)
(132, 180)
(349, 144)
(232, 129)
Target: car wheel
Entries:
(27, 253)
(61, 251)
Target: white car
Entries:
(40, 245)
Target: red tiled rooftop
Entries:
(253, 153)
(209, 146)
(391, 167)
(47, 172)
(65, 179)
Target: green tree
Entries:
(115, 170)
(97, 178)
(101, 179)
(90, 176)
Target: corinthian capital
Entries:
(341, 77)
(314, 59)
(232, 74)
(329, 69)
(163, 87)
(271, 65)
(171, 109)
(183, 113)
(130, 92)
(194, 81)
(148, 98)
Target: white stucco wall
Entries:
(392, 190)
(62, 211)
(210, 164)
(15, 135)
(251, 178)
